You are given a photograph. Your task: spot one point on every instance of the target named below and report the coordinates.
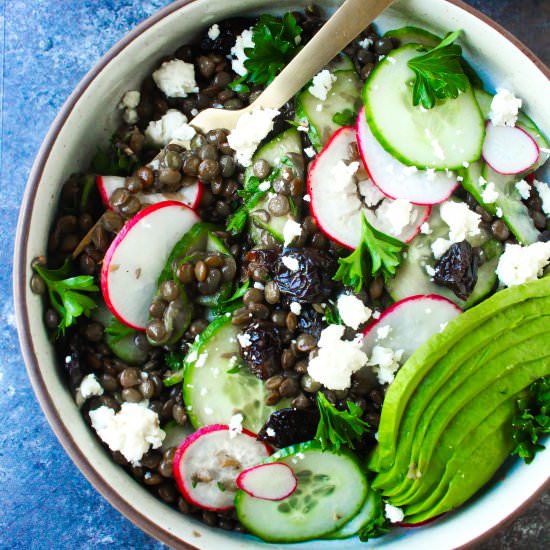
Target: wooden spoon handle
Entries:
(351, 18)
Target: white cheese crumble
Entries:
(251, 128)
(130, 100)
(172, 126)
(489, 194)
(244, 40)
(214, 31)
(521, 264)
(296, 308)
(385, 363)
(425, 229)
(499, 212)
(543, 189)
(376, 315)
(291, 230)
(393, 513)
(504, 108)
(461, 220)
(244, 340)
(310, 152)
(440, 246)
(353, 311)
(396, 213)
(258, 285)
(132, 431)
(270, 432)
(90, 386)
(383, 332)
(307, 198)
(176, 78)
(264, 186)
(370, 193)
(365, 43)
(235, 425)
(290, 263)
(524, 189)
(430, 270)
(336, 360)
(321, 84)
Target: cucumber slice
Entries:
(216, 383)
(484, 100)
(442, 138)
(331, 490)
(345, 94)
(414, 35)
(365, 515)
(412, 279)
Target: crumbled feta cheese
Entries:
(466, 164)
(365, 43)
(436, 146)
(383, 332)
(461, 220)
(310, 152)
(353, 311)
(459, 178)
(290, 263)
(429, 269)
(214, 31)
(244, 340)
(521, 264)
(303, 128)
(251, 128)
(176, 78)
(425, 229)
(258, 285)
(396, 213)
(296, 308)
(130, 100)
(264, 186)
(543, 189)
(440, 246)
(130, 116)
(235, 425)
(291, 230)
(270, 432)
(385, 363)
(307, 198)
(244, 40)
(499, 212)
(172, 126)
(489, 195)
(393, 513)
(321, 84)
(343, 175)
(376, 315)
(524, 189)
(370, 193)
(90, 386)
(336, 360)
(132, 431)
(504, 108)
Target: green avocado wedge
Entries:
(411, 378)
(453, 374)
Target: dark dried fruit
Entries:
(312, 281)
(263, 354)
(457, 269)
(229, 30)
(310, 322)
(290, 426)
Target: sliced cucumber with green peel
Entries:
(344, 95)
(414, 35)
(216, 384)
(365, 515)
(331, 491)
(442, 138)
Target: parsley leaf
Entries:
(66, 294)
(113, 161)
(276, 42)
(378, 524)
(332, 315)
(439, 73)
(376, 253)
(532, 420)
(337, 428)
(347, 117)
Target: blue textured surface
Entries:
(47, 46)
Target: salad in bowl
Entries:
(328, 322)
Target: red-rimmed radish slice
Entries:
(337, 206)
(396, 180)
(274, 481)
(136, 257)
(208, 462)
(409, 323)
(190, 196)
(509, 150)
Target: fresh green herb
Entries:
(221, 486)
(378, 525)
(234, 370)
(439, 73)
(117, 330)
(239, 86)
(532, 420)
(337, 428)
(376, 253)
(347, 117)
(276, 42)
(66, 294)
(88, 187)
(232, 302)
(113, 161)
(174, 360)
(332, 315)
(194, 483)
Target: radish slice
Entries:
(190, 196)
(337, 204)
(396, 180)
(136, 257)
(274, 481)
(208, 462)
(509, 150)
(409, 323)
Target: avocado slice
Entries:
(469, 357)
(411, 376)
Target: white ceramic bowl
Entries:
(87, 119)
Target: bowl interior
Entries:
(89, 117)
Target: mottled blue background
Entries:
(46, 47)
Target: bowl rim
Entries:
(28, 350)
